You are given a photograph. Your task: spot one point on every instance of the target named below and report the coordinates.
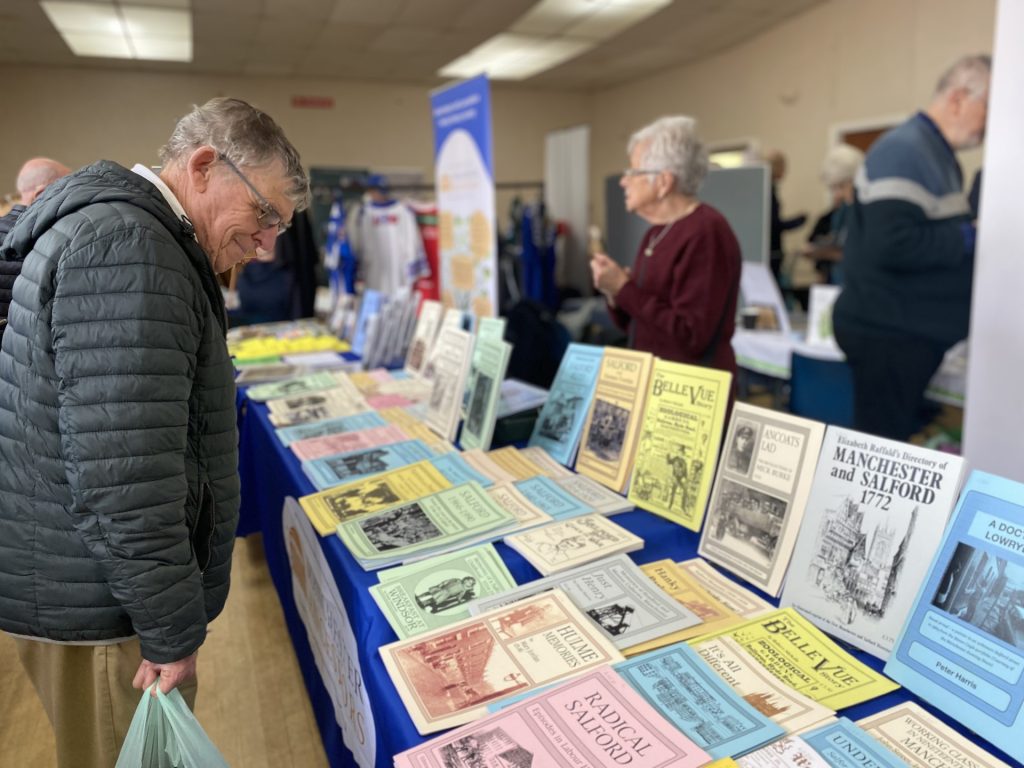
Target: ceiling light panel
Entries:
(119, 30)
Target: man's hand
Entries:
(171, 675)
(608, 276)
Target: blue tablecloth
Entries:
(270, 472)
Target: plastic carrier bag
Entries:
(165, 734)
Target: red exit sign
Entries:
(312, 102)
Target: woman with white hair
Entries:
(679, 299)
(825, 244)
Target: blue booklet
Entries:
(335, 426)
(843, 744)
(544, 493)
(962, 647)
(457, 471)
(372, 303)
(363, 462)
(560, 423)
(678, 683)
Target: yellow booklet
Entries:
(679, 440)
(610, 431)
(343, 502)
(686, 590)
(802, 657)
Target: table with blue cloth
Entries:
(270, 472)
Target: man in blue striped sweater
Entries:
(909, 254)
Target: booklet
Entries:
(355, 465)
(312, 413)
(511, 460)
(427, 325)
(788, 752)
(415, 428)
(560, 423)
(608, 440)
(447, 369)
(567, 544)
(333, 426)
(457, 470)
(796, 652)
(678, 585)
(489, 329)
(962, 647)
(594, 720)
(679, 684)
(845, 745)
(873, 524)
(519, 396)
(485, 465)
(769, 695)
(343, 442)
(430, 524)
(491, 358)
(735, 597)
(545, 493)
(546, 462)
(436, 592)
(527, 515)
(300, 385)
(680, 436)
(760, 494)
(921, 740)
(615, 594)
(371, 304)
(261, 375)
(328, 508)
(447, 677)
(594, 495)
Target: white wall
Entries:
(78, 116)
(994, 413)
(841, 61)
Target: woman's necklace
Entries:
(653, 242)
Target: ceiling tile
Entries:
(491, 17)
(434, 13)
(368, 11)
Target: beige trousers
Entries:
(87, 693)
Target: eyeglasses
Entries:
(631, 172)
(266, 214)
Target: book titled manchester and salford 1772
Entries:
(593, 721)
(760, 494)
(962, 647)
(447, 677)
(874, 520)
(679, 439)
(560, 423)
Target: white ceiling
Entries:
(398, 41)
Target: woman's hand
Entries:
(608, 276)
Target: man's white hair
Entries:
(971, 73)
(672, 145)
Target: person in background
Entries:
(119, 484)
(909, 255)
(777, 161)
(825, 244)
(35, 176)
(679, 299)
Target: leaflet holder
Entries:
(821, 389)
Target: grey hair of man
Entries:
(245, 135)
(970, 73)
(671, 144)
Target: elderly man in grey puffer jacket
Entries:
(118, 450)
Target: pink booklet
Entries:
(327, 445)
(595, 720)
(376, 402)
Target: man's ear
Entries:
(200, 166)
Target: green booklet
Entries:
(434, 593)
(429, 525)
(300, 385)
(491, 359)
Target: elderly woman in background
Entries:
(679, 299)
(825, 244)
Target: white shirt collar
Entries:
(156, 181)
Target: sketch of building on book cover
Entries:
(486, 748)
(859, 558)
